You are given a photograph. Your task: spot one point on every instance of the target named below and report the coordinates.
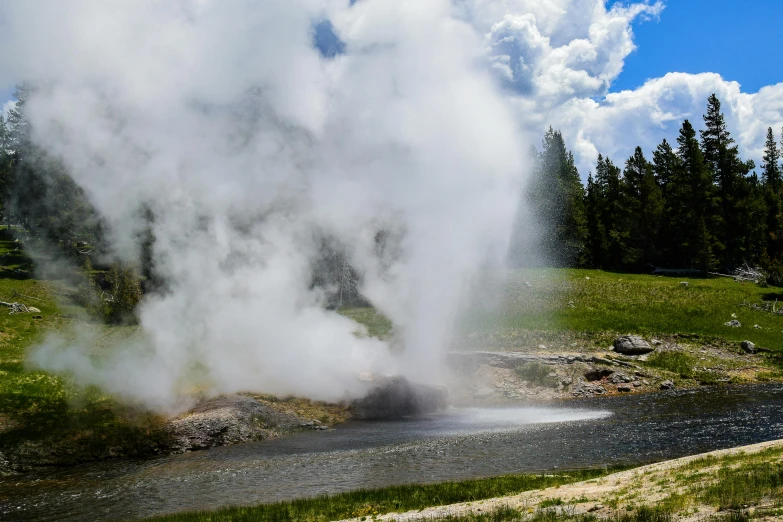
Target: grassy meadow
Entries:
(566, 306)
(72, 423)
(560, 308)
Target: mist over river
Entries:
(456, 444)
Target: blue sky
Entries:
(566, 85)
(740, 40)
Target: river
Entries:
(456, 444)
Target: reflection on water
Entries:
(458, 444)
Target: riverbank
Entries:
(733, 484)
(454, 446)
(549, 340)
(572, 372)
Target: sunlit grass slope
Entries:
(596, 304)
(78, 423)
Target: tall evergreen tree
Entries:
(558, 199)
(645, 208)
(729, 175)
(772, 181)
(667, 166)
(597, 248)
(691, 206)
(613, 213)
(44, 198)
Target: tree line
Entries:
(40, 201)
(696, 204)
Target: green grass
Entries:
(563, 306)
(737, 488)
(642, 304)
(366, 503)
(68, 423)
(536, 373)
(377, 325)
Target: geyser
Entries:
(248, 146)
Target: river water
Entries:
(456, 444)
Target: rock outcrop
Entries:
(396, 397)
(748, 346)
(227, 420)
(632, 345)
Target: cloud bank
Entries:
(558, 59)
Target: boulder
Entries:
(226, 420)
(397, 397)
(733, 323)
(748, 346)
(667, 385)
(624, 388)
(632, 345)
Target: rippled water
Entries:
(457, 444)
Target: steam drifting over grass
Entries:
(247, 150)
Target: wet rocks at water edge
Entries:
(667, 385)
(748, 346)
(586, 389)
(397, 397)
(632, 345)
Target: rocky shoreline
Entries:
(503, 377)
(479, 378)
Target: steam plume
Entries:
(248, 145)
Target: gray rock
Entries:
(226, 420)
(624, 387)
(667, 385)
(748, 346)
(396, 397)
(620, 378)
(585, 389)
(632, 345)
(733, 323)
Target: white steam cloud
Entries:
(247, 145)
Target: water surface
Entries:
(457, 444)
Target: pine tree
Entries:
(645, 206)
(597, 253)
(44, 198)
(666, 166)
(691, 206)
(613, 213)
(557, 197)
(772, 188)
(729, 175)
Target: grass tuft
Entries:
(367, 503)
